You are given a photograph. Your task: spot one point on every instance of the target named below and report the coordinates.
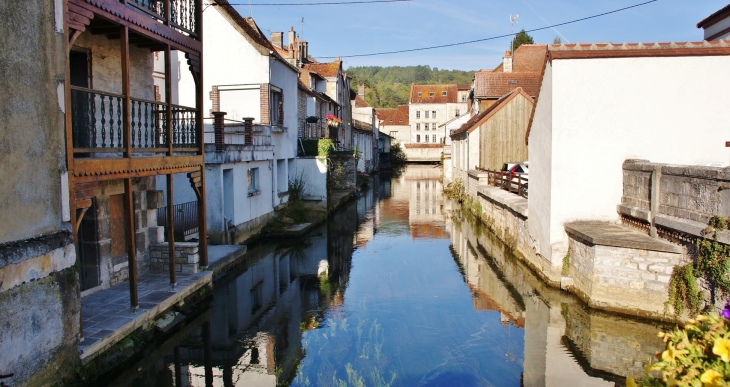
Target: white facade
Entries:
(244, 183)
(592, 114)
(425, 127)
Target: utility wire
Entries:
(320, 3)
(490, 38)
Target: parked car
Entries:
(518, 174)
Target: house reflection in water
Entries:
(565, 342)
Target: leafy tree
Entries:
(522, 38)
(388, 87)
(557, 40)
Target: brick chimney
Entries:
(361, 90)
(248, 130)
(219, 131)
(292, 38)
(277, 39)
(507, 63)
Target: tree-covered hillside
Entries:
(390, 86)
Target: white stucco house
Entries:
(251, 159)
(601, 104)
(717, 25)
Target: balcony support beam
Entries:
(126, 90)
(168, 98)
(131, 245)
(172, 260)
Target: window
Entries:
(420, 94)
(418, 126)
(433, 114)
(253, 181)
(425, 126)
(426, 113)
(393, 134)
(425, 138)
(457, 112)
(418, 138)
(463, 98)
(443, 93)
(390, 120)
(418, 114)
(430, 94)
(434, 138)
(276, 108)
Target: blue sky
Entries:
(359, 29)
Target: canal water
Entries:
(397, 289)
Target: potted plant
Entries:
(312, 119)
(332, 120)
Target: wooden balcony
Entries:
(155, 23)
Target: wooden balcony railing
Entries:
(515, 184)
(182, 13)
(97, 124)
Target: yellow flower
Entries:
(722, 349)
(712, 378)
(630, 382)
(672, 353)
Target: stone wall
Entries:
(343, 169)
(621, 278)
(694, 193)
(187, 257)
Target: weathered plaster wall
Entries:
(32, 145)
(649, 118)
(106, 66)
(40, 329)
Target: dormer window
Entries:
(390, 120)
(430, 94)
(420, 94)
(443, 94)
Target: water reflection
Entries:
(396, 290)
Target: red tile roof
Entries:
(390, 116)
(434, 93)
(529, 58)
(490, 84)
(463, 87)
(718, 15)
(327, 70)
(360, 103)
(482, 117)
(629, 50)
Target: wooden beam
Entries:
(131, 245)
(199, 104)
(168, 91)
(126, 91)
(171, 232)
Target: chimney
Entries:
(361, 90)
(507, 64)
(306, 50)
(292, 38)
(277, 39)
(300, 52)
(219, 130)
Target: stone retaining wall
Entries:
(186, 257)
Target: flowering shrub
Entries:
(698, 355)
(332, 120)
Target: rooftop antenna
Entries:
(302, 33)
(513, 20)
(250, 12)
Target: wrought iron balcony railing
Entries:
(182, 13)
(97, 123)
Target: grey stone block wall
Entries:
(623, 278)
(187, 257)
(343, 169)
(689, 192)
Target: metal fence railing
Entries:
(186, 219)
